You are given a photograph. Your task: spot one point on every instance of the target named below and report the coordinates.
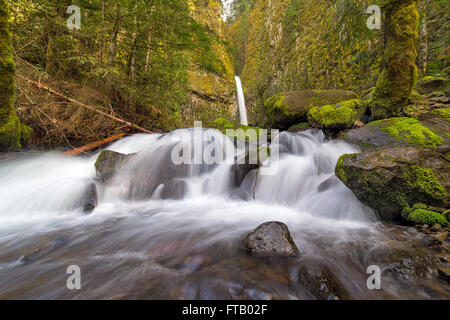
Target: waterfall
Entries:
(241, 102)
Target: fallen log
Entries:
(93, 145)
(92, 108)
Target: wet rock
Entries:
(299, 127)
(322, 283)
(444, 273)
(289, 108)
(436, 227)
(252, 161)
(271, 239)
(107, 164)
(175, 190)
(328, 184)
(90, 198)
(391, 179)
(429, 84)
(428, 132)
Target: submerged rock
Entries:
(322, 283)
(107, 164)
(289, 108)
(90, 198)
(174, 190)
(392, 179)
(271, 239)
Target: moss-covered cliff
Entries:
(301, 44)
(211, 76)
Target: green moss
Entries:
(12, 132)
(276, 105)
(236, 130)
(421, 214)
(340, 116)
(340, 168)
(427, 183)
(443, 112)
(410, 130)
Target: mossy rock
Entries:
(286, 109)
(429, 84)
(241, 132)
(442, 113)
(299, 127)
(392, 179)
(420, 213)
(398, 132)
(337, 117)
(108, 163)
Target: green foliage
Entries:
(410, 130)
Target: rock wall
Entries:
(299, 44)
(212, 87)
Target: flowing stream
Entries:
(241, 102)
(146, 240)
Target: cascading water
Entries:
(241, 102)
(162, 231)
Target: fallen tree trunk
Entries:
(93, 145)
(92, 108)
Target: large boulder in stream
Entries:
(271, 239)
(288, 108)
(108, 163)
(429, 131)
(393, 179)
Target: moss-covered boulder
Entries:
(392, 179)
(429, 84)
(286, 109)
(12, 132)
(398, 132)
(107, 164)
(336, 117)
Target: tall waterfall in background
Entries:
(241, 101)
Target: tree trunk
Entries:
(423, 38)
(12, 132)
(113, 41)
(398, 70)
(132, 63)
(147, 57)
(101, 35)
